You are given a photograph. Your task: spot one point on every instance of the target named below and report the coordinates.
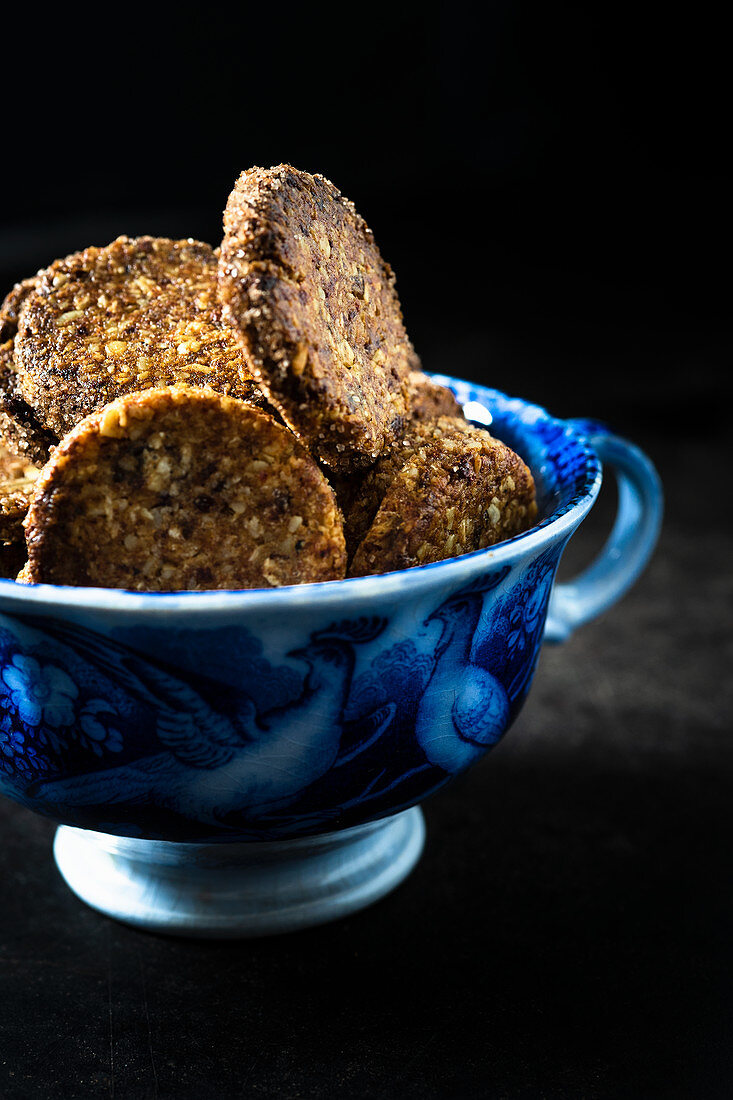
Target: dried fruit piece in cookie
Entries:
(303, 283)
(20, 429)
(366, 494)
(182, 488)
(136, 314)
(456, 494)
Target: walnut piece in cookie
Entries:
(303, 283)
(178, 489)
(139, 313)
(458, 492)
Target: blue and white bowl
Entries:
(229, 763)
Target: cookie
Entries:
(20, 429)
(429, 400)
(182, 488)
(13, 467)
(366, 494)
(303, 283)
(139, 313)
(15, 496)
(459, 492)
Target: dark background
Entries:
(551, 189)
(548, 184)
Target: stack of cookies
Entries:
(175, 417)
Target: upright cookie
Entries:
(182, 488)
(303, 283)
(136, 314)
(459, 492)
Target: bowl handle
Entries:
(630, 544)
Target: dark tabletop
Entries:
(568, 929)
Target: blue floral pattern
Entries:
(42, 694)
(359, 721)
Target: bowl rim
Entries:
(555, 526)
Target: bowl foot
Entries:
(239, 889)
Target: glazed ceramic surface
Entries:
(278, 714)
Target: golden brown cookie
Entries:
(11, 306)
(303, 283)
(429, 400)
(15, 496)
(136, 314)
(20, 429)
(12, 467)
(360, 502)
(459, 492)
(182, 488)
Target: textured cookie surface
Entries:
(20, 430)
(182, 488)
(137, 314)
(459, 492)
(429, 400)
(366, 494)
(304, 284)
(15, 496)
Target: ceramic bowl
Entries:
(228, 763)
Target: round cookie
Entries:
(303, 283)
(459, 492)
(179, 489)
(137, 314)
(20, 430)
(366, 494)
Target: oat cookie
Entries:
(458, 492)
(429, 400)
(20, 429)
(11, 466)
(137, 314)
(303, 283)
(366, 494)
(15, 496)
(182, 488)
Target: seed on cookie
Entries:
(305, 286)
(137, 314)
(458, 492)
(182, 489)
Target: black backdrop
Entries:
(548, 181)
(550, 189)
